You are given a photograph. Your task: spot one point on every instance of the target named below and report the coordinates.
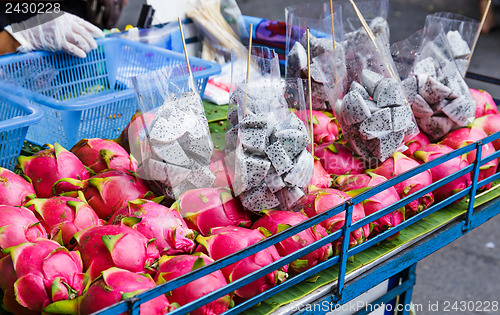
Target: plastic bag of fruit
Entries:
(267, 145)
(174, 146)
(439, 97)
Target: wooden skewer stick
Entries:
(191, 80)
(478, 33)
(248, 64)
(390, 68)
(333, 26)
(310, 91)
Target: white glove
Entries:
(56, 32)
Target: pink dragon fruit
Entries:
(63, 216)
(207, 208)
(47, 167)
(320, 177)
(103, 247)
(490, 125)
(274, 221)
(398, 164)
(112, 286)
(154, 221)
(227, 240)
(357, 184)
(325, 199)
(464, 136)
(433, 151)
(485, 104)
(18, 225)
(337, 159)
(325, 127)
(171, 267)
(101, 154)
(219, 169)
(130, 134)
(109, 192)
(14, 190)
(416, 142)
(40, 273)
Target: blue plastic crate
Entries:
(16, 116)
(93, 97)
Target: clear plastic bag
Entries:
(317, 18)
(374, 114)
(174, 147)
(269, 156)
(461, 34)
(439, 97)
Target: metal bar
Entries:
(392, 294)
(346, 236)
(405, 297)
(475, 176)
(482, 77)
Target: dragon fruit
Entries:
(227, 240)
(398, 164)
(433, 151)
(465, 136)
(207, 208)
(356, 184)
(18, 225)
(63, 216)
(129, 138)
(110, 191)
(325, 127)
(274, 221)
(14, 190)
(320, 178)
(485, 104)
(119, 246)
(416, 142)
(171, 267)
(154, 221)
(337, 159)
(40, 273)
(111, 287)
(325, 199)
(102, 154)
(47, 167)
(490, 124)
(221, 172)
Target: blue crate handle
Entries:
(33, 114)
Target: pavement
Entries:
(469, 268)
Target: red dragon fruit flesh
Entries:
(47, 167)
(171, 267)
(103, 247)
(357, 184)
(18, 225)
(207, 208)
(165, 225)
(227, 240)
(274, 221)
(101, 154)
(43, 272)
(14, 190)
(337, 159)
(62, 217)
(397, 165)
(433, 151)
(464, 136)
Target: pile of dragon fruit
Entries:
(79, 230)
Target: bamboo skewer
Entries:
(478, 33)
(390, 68)
(333, 25)
(248, 65)
(310, 91)
(191, 80)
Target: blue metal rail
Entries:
(343, 292)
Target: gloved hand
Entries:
(56, 32)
